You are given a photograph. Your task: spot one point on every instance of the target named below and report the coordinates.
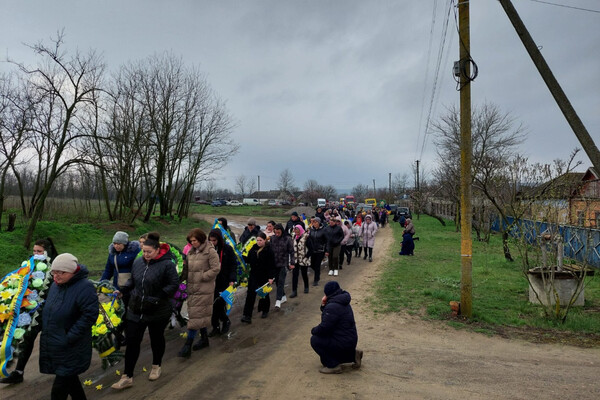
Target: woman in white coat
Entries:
(368, 230)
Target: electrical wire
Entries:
(566, 6)
(464, 62)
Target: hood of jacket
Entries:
(340, 297)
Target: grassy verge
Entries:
(424, 285)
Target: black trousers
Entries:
(264, 304)
(296, 272)
(26, 347)
(346, 251)
(219, 312)
(135, 334)
(315, 263)
(64, 386)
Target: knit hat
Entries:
(251, 221)
(65, 262)
(331, 287)
(294, 214)
(317, 219)
(121, 237)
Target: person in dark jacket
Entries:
(43, 251)
(152, 284)
(320, 214)
(408, 245)
(226, 278)
(262, 270)
(70, 311)
(293, 221)
(335, 235)
(251, 230)
(316, 243)
(223, 222)
(335, 338)
(283, 248)
(121, 255)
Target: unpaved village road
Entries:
(405, 358)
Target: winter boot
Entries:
(186, 350)
(226, 326)
(215, 331)
(203, 341)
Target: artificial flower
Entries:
(99, 387)
(19, 332)
(87, 382)
(118, 373)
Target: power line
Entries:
(565, 6)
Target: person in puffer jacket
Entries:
(70, 311)
(335, 338)
(121, 255)
(152, 285)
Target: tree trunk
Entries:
(12, 219)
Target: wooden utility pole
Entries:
(559, 95)
(418, 184)
(259, 183)
(466, 217)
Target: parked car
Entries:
(201, 201)
(234, 203)
(218, 203)
(273, 203)
(403, 212)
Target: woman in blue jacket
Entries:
(335, 338)
(70, 311)
(121, 255)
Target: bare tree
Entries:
(241, 184)
(496, 136)
(360, 192)
(399, 183)
(64, 88)
(285, 181)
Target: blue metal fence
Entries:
(580, 243)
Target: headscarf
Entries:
(301, 229)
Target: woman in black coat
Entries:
(152, 285)
(227, 277)
(262, 270)
(70, 311)
(335, 338)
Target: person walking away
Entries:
(262, 271)
(227, 277)
(200, 272)
(283, 249)
(251, 230)
(335, 235)
(302, 259)
(44, 251)
(368, 231)
(152, 285)
(317, 244)
(335, 338)
(70, 311)
(349, 249)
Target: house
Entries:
(584, 202)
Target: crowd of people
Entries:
(145, 276)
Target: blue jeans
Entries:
(280, 281)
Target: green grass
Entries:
(424, 284)
(89, 242)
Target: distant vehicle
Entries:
(302, 204)
(285, 203)
(364, 207)
(349, 200)
(234, 203)
(393, 208)
(372, 202)
(251, 202)
(218, 203)
(321, 203)
(272, 202)
(403, 212)
(199, 200)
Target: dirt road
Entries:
(405, 358)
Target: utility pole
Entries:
(418, 185)
(390, 187)
(466, 216)
(259, 183)
(559, 95)
(374, 191)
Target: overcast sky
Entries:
(339, 91)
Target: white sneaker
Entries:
(283, 299)
(330, 272)
(278, 304)
(335, 272)
(155, 373)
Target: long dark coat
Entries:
(70, 311)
